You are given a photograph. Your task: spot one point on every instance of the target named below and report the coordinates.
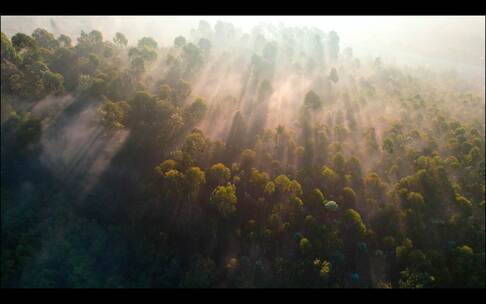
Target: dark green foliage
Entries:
(312, 101)
(116, 174)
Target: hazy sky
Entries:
(452, 39)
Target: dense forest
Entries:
(268, 159)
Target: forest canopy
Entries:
(273, 158)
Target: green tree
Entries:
(312, 101)
(204, 44)
(195, 112)
(329, 178)
(269, 188)
(218, 174)
(282, 183)
(147, 42)
(64, 41)
(180, 41)
(333, 75)
(388, 145)
(348, 198)
(333, 42)
(120, 39)
(248, 158)
(112, 114)
(181, 91)
(165, 166)
(8, 51)
(305, 246)
(53, 83)
(353, 223)
(195, 178)
(224, 199)
(196, 146)
(21, 41)
(45, 39)
(316, 197)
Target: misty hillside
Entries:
(273, 157)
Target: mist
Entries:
(243, 151)
(451, 38)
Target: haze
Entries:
(451, 38)
(243, 151)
